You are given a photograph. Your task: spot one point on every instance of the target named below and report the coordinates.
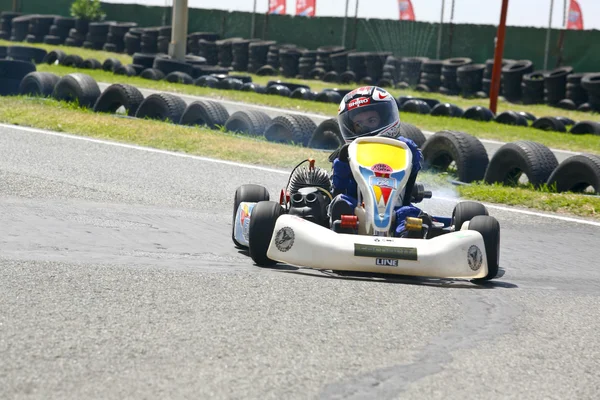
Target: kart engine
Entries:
(310, 194)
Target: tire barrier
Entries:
(580, 173)
(523, 157)
(466, 152)
(12, 73)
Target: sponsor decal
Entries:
(381, 240)
(382, 188)
(361, 101)
(284, 240)
(364, 91)
(383, 169)
(386, 262)
(474, 257)
(397, 253)
(245, 221)
(380, 95)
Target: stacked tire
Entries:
(555, 85)
(306, 63)
(115, 40)
(39, 27)
(450, 75)
(512, 77)
(163, 39)
(97, 35)
(289, 60)
(149, 41)
(410, 70)
(6, 23)
(20, 28)
(133, 41)
(59, 31)
(591, 83)
(374, 63)
(357, 65)
(469, 78)
(78, 33)
(532, 88)
(431, 76)
(193, 42)
(575, 91)
(240, 52)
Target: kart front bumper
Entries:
(304, 244)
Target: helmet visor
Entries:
(368, 120)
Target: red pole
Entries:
(496, 72)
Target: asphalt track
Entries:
(118, 279)
(233, 106)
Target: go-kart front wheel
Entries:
(466, 211)
(489, 228)
(262, 224)
(247, 193)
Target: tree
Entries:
(88, 10)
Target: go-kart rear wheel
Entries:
(465, 211)
(490, 230)
(247, 193)
(262, 224)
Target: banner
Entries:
(575, 19)
(306, 8)
(407, 13)
(276, 6)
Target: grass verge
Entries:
(483, 130)
(67, 117)
(540, 110)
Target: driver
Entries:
(369, 111)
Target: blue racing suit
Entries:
(346, 188)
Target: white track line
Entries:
(259, 168)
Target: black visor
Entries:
(368, 120)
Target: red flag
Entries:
(407, 13)
(276, 6)
(575, 20)
(306, 8)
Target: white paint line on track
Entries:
(311, 115)
(266, 169)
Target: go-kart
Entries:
(297, 230)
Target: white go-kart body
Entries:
(381, 167)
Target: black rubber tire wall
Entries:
(209, 113)
(162, 106)
(77, 87)
(38, 84)
(576, 173)
(118, 95)
(296, 129)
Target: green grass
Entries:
(67, 117)
(494, 131)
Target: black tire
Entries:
(549, 124)
(489, 228)
(91, 63)
(511, 118)
(248, 122)
(126, 70)
(77, 87)
(290, 129)
(566, 121)
(478, 113)
(152, 74)
(247, 193)
(26, 53)
(162, 106)
(411, 132)
(167, 65)
(328, 96)
(12, 73)
(415, 106)
(465, 211)
(72, 60)
(118, 95)
(54, 56)
(327, 136)
(179, 77)
(38, 84)
(111, 64)
(262, 224)
(447, 110)
(209, 113)
(513, 159)
(465, 150)
(586, 127)
(577, 173)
